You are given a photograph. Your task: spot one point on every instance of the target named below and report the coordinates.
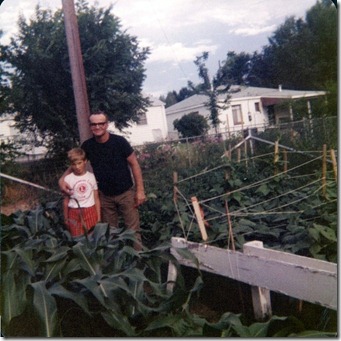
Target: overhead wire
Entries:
(169, 43)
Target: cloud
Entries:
(9, 15)
(252, 30)
(178, 31)
(178, 52)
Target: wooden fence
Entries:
(265, 270)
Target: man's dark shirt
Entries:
(109, 163)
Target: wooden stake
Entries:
(324, 169)
(230, 225)
(285, 160)
(175, 191)
(238, 155)
(276, 157)
(245, 144)
(332, 155)
(199, 218)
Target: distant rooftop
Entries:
(239, 92)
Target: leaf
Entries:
(53, 269)
(96, 289)
(58, 254)
(46, 307)
(99, 232)
(71, 266)
(313, 333)
(227, 320)
(263, 189)
(119, 322)
(185, 253)
(82, 252)
(26, 257)
(258, 329)
(11, 259)
(58, 290)
(164, 321)
(314, 233)
(326, 232)
(14, 296)
(247, 222)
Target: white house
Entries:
(29, 147)
(152, 126)
(248, 107)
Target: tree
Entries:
(191, 125)
(301, 54)
(174, 97)
(170, 99)
(4, 83)
(234, 70)
(42, 95)
(211, 90)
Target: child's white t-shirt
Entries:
(82, 187)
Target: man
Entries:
(113, 161)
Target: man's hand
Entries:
(65, 188)
(140, 198)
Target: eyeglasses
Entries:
(100, 124)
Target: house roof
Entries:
(268, 96)
(154, 102)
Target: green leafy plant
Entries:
(101, 275)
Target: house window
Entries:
(237, 114)
(257, 106)
(142, 119)
(271, 114)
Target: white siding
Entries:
(251, 117)
(7, 130)
(8, 133)
(154, 131)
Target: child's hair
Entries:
(76, 154)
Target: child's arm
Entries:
(66, 210)
(97, 204)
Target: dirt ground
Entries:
(17, 198)
(21, 205)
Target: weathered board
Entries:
(300, 277)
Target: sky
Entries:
(177, 31)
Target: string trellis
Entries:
(291, 198)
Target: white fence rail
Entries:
(300, 277)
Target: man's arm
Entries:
(64, 187)
(140, 196)
(97, 204)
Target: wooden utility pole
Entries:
(77, 69)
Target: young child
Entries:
(82, 207)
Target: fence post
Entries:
(199, 217)
(171, 277)
(260, 296)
